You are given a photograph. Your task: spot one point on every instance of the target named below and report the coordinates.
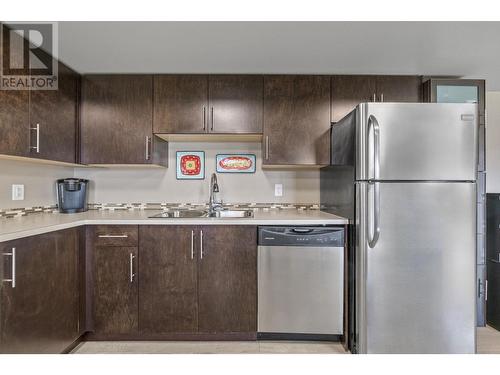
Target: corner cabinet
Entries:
(296, 120)
(117, 121)
(41, 124)
(40, 299)
(202, 104)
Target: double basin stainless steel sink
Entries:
(186, 214)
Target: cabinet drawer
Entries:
(115, 235)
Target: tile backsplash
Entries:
(129, 184)
(161, 185)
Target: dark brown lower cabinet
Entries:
(168, 287)
(40, 304)
(227, 279)
(115, 290)
(197, 279)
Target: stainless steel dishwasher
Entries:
(300, 282)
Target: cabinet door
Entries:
(227, 279)
(399, 89)
(296, 120)
(235, 103)
(39, 314)
(55, 112)
(14, 112)
(14, 123)
(115, 290)
(168, 289)
(348, 91)
(180, 104)
(116, 115)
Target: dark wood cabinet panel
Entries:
(117, 121)
(180, 104)
(65, 299)
(55, 112)
(14, 123)
(115, 290)
(348, 91)
(168, 300)
(235, 103)
(227, 279)
(40, 314)
(401, 89)
(115, 235)
(14, 108)
(296, 120)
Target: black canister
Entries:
(72, 195)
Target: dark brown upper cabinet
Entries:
(180, 104)
(117, 121)
(200, 104)
(41, 123)
(14, 123)
(235, 104)
(400, 89)
(53, 115)
(169, 259)
(39, 295)
(227, 279)
(296, 120)
(350, 90)
(14, 115)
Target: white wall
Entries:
(115, 185)
(493, 142)
(38, 179)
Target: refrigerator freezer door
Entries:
(417, 142)
(416, 285)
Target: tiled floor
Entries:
(488, 342)
(207, 347)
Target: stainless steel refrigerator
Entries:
(404, 174)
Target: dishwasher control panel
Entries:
(301, 236)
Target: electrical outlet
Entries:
(17, 192)
(278, 190)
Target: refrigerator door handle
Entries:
(375, 158)
(376, 214)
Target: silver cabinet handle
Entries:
(382, 97)
(204, 118)
(148, 142)
(113, 236)
(201, 244)
(12, 280)
(132, 274)
(37, 147)
(192, 244)
(212, 118)
(376, 214)
(266, 151)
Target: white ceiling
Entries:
(470, 49)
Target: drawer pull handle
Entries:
(113, 236)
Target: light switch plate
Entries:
(278, 190)
(17, 192)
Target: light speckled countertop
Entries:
(24, 226)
